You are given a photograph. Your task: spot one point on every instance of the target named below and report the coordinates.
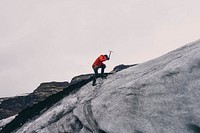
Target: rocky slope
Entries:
(158, 96)
(10, 106)
(13, 105)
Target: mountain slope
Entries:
(161, 95)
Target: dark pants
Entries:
(103, 66)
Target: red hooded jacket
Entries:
(99, 61)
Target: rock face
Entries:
(79, 78)
(122, 67)
(13, 105)
(118, 68)
(158, 96)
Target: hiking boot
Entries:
(103, 76)
(93, 84)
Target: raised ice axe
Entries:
(110, 53)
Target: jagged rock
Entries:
(121, 67)
(13, 105)
(158, 96)
(79, 78)
(118, 68)
(51, 87)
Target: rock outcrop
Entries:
(121, 67)
(13, 105)
(118, 68)
(79, 78)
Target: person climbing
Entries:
(98, 63)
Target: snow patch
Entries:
(1, 100)
(5, 121)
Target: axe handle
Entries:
(110, 53)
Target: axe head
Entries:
(110, 53)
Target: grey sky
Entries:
(54, 40)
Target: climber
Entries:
(99, 64)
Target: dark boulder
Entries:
(122, 67)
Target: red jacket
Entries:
(99, 61)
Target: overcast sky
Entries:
(55, 40)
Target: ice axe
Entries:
(110, 53)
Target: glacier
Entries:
(158, 96)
